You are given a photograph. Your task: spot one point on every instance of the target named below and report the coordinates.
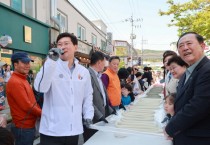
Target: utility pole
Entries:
(132, 36)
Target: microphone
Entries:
(54, 51)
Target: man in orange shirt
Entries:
(21, 99)
(112, 83)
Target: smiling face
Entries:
(68, 47)
(176, 70)
(190, 50)
(22, 68)
(114, 65)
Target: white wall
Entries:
(43, 11)
(6, 2)
(74, 18)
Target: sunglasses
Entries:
(136, 69)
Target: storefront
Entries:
(83, 52)
(28, 35)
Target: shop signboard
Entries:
(84, 48)
(121, 51)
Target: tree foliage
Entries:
(193, 15)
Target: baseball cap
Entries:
(22, 56)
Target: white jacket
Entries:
(66, 97)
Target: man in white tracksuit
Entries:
(67, 94)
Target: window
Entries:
(81, 32)
(30, 8)
(25, 6)
(103, 45)
(94, 40)
(63, 21)
(16, 4)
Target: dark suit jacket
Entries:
(98, 102)
(191, 123)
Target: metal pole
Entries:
(132, 35)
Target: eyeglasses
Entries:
(60, 45)
(136, 69)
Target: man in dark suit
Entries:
(191, 123)
(100, 97)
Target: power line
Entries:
(97, 11)
(107, 18)
(94, 27)
(90, 9)
(92, 5)
(115, 22)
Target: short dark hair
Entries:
(177, 60)
(127, 86)
(138, 74)
(146, 68)
(71, 36)
(168, 53)
(123, 73)
(114, 57)
(129, 69)
(13, 62)
(96, 56)
(197, 36)
(149, 68)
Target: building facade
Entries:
(124, 50)
(34, 26)
(27, 34)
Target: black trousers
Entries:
(88, 133)
(58, 140)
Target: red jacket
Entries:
(21, 99)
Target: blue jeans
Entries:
(23, 136)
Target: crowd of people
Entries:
(187, 96)
(75, 97)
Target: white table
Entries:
(109, 134)
(111, 138)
